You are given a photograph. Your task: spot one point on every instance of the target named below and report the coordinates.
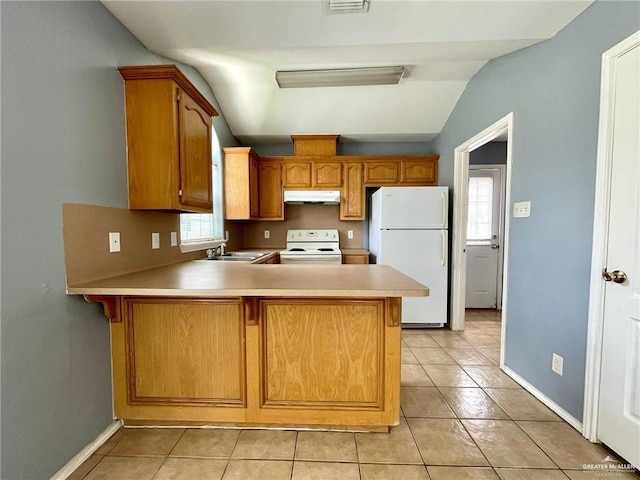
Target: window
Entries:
(479, 220)
(199, 231)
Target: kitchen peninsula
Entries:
(214, 343)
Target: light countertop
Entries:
(220, 279)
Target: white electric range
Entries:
(317, 247)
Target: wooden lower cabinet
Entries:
(258, 361)
(355, 258)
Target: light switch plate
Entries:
(349, 233)
(114, 242)
(267, 234)
(522, 209)
(174, 239)
(155, 241)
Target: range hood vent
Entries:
(327, 197)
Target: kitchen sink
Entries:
(238, 256)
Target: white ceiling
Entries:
(238, 45)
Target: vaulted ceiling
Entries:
(238, 46)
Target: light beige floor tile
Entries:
(125, 468)
(85, 467)
(113, 440)
(213, 443)
(505, 445)
(454, 341)
(419, 331)
(564, 444)
(462, 473)
(147, 441)
(432, 356)
(483, 341)
(325, 471)
(423, 341)
(326, 446)
(449, 376)
(468, 356)
(424, 402)
(414, 376)
(531, 474)
(191, 469)
(445, 442)
(408, 357)
(397, 446)
(258, 470)
(589, 475)
(265, 445)
(490, 377)
(440, 331)
(472, 403)
(393, 472)
(521, 405)
(492, 354)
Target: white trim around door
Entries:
(600, 235)
(460, 206)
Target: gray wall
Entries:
(63, 140)
(351, 148)
(492, 153)
(554, 91)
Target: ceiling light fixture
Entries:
(345, 6)
(340, 77)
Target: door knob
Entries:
(617, 276)
(494, 246)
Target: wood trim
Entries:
(110, 304)
(250, 310)
(393, 311)
(172, 72)
(256, 426)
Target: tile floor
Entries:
(462, 419)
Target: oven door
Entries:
(311, 259)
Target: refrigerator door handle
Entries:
(444, 210)
(444, 247)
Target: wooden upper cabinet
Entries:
(241, 183)
(315, 145)
(296, 174)
(168, 140)
(271, 201)
(352, 203)
(420, 172)
(381, 172)
(327, 174)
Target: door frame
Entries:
(501, 218)
(595, 325)
(460, 207)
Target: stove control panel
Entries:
(329, 235)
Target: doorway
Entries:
(501, 130)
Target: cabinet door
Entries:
(195, 154)
(352, 202)
(184, 352)
(381, 173)
(296, 175)
(419, 172)
(355, 258)
(327, 174)
(270, 191)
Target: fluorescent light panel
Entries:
(342, 77)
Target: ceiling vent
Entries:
(345, 6)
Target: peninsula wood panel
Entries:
(187, 352)
(323, 353)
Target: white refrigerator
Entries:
(408, 230)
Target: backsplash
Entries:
(307, 216)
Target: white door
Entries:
(422, 255)
(619, 405)
(413, 207)
(484, 272)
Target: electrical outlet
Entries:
(267, 234)
(174, 239)
(522, 209)
(556, 363)
(226, 235)
(114, 242)
(349, 233)
(155, 241)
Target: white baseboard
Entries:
(72, 465)
(561, 412)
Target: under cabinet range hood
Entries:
(327, 197)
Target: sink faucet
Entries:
(217, 251)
